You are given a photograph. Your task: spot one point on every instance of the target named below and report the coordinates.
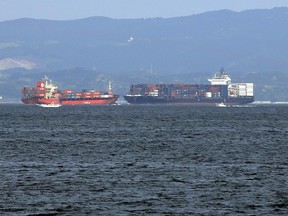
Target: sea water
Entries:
(143, 160)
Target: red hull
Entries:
(89, 101)
(40, 100)
(94, 101)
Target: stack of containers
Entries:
(26, 92)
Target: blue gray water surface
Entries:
(143, 160)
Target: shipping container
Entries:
(67, 91)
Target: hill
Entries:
(249, 44)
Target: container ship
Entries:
(46, 92)
(219, 90)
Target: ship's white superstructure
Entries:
(50, 88)
(234, 89)
(222, 79)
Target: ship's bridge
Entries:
(222, 79)
(50, 87)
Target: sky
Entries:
(123, 9)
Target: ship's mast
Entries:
(222, 72)
(110, 86)
(46, 80)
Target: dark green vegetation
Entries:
(86, 53)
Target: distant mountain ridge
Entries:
(155, 50)
(15, 63)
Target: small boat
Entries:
(221, 105)
(49, 105)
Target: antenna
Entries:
(109, 86)
(222, 71)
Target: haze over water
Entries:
(143, 160)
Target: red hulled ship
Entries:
(47, 93)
